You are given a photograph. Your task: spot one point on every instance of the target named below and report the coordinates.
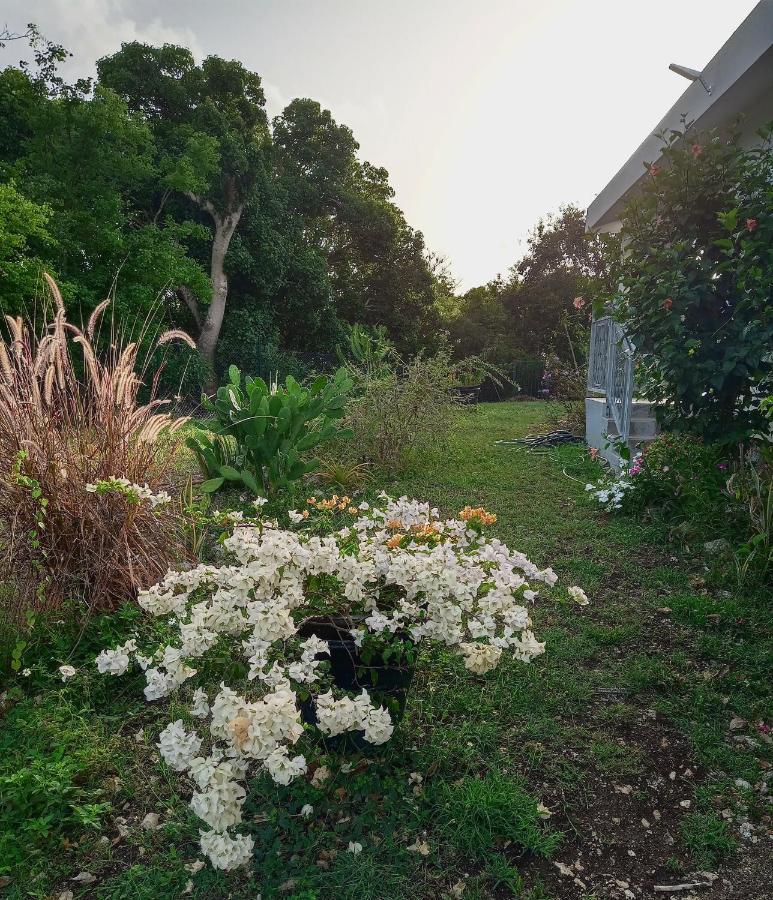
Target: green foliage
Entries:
(50, 781)
(682, 479)
(274, 428)
(368, 348)
(696, 271)
(24, 237)
(708, 838)
(480, 814)
(401, 410)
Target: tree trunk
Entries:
(225, 226)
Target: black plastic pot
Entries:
(387, 682)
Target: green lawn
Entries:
(637, 730)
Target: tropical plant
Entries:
(83, 465)
(273, 427)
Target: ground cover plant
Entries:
(634, 753)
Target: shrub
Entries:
(273, 428)
(401, 410)
(82, 467)
(696, 273)
(394, 576)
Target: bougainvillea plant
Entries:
(395, 571)
(696, 271)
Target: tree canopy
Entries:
(166, 183)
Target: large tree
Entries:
(211, 137)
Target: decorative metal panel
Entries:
(598, 361)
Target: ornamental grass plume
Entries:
(82, 462)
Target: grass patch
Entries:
(478, 815)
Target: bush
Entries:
(388, 578)
(273, 427)
(82, 466)
(684, 479)
(696, 273)
(401, 409)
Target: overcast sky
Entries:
(487, 113)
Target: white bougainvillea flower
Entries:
(354, 847)
(67, 672)
(397, 569)
(578, 595)
(307, 810)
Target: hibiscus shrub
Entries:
(395, 573)
(696, 271)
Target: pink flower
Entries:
(751, 224)
(696, 150)
(654, 169)
(668, 303)
(578, 302)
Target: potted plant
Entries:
(326, 618)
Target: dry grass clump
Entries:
(70, 417)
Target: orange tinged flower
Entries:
(352, 510)
(394, 541)
(479, 513)
(311, 501)
(394, 524)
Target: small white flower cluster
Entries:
(610, 494)
(133, 492)
(400, 569)
(337, 716)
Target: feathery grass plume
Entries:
(175, 334)
(95, 317)
(70, 416)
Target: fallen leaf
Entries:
(84, 878)
(418, 846)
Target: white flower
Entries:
(307, 810)
(200, 706)
(354, 847)
(67, 672)
(227, 852)
(480, 658)
(116, 662)
(445, 583)
(177, 746)
(26, 672)
(295, 516)
(259, 502)
(578, 595)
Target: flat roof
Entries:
(740, 76)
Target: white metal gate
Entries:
(610, 370)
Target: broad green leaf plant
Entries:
(264, 433)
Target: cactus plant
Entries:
(273, 427)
